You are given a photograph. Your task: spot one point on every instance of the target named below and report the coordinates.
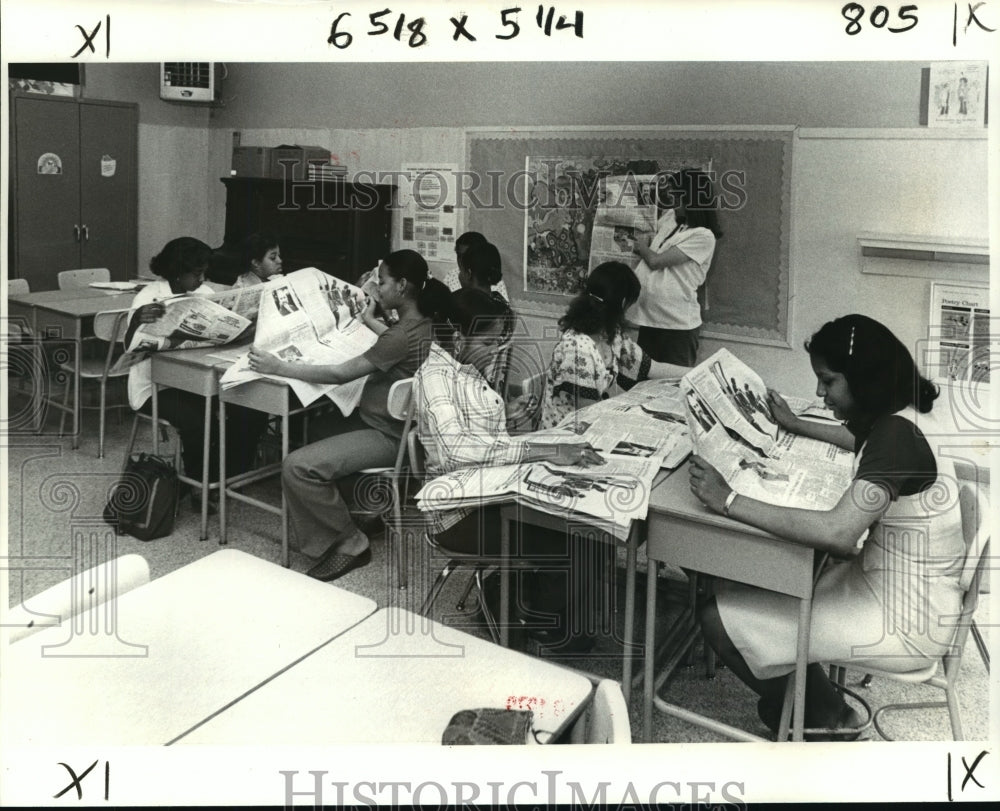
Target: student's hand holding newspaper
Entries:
(264, 362)
(782, 414)
(641, 239)
(708, 485)
(148, 313)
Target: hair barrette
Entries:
(850, 346)
(596, 297)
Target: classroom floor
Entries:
(54, 491)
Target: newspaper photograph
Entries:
(728, 415)
(647, 421)
(313, 318)
(614, 493)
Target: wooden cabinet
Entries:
(73, 187)
(339, 227)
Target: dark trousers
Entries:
(568, 580)
(679, 346)
(185, 411)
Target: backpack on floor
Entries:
(143, 503)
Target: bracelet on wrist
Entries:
(729, 502)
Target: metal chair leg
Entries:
(460, 605)
(432, 595)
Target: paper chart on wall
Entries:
(427, 218)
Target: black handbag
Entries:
(143, 503)
(488, 725)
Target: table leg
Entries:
(631, 550)
(77, 363)
(206, 463)
(284, 501)
(156, 419)
(504, 580)
(222, 472)
(649, 658)
(801, 661)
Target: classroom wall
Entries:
(376, 116)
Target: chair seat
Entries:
(91, 368)
(925, 674)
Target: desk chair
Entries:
(18, 333)
(942, 673)
(79, 279)
(606, 719)
(532, 390)
(398, 404)
(96, 586)
(109, 326)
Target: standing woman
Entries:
(261, 260)
(369, 437)
(674, 264)
(594, 359)
(897, 545)
(181, 266)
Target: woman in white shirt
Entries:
(181, 266)
(674, 264)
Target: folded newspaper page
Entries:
(612, 494)
(313, 318)
(649, 421)
(732, 428)
(627, 206)
(192, 322)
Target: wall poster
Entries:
(959, 333)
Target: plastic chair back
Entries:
(18, 287)
(78, 279)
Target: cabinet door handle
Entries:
(76, 232)
(86, 233)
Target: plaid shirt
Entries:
(461, 422)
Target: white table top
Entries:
(213, 630)
(402, 688)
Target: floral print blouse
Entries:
(580, 374)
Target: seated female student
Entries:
(898, 553)
(181, 265)
(453, 278)
(594, 359)
(369, 437)
(261, 260)
(461, 422)
(480, 270)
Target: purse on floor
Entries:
(488, 725)
(143, 503)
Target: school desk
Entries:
(66, 314)
(559, 520)
(275, 397)
(157, 661)
(196, 371)
(683, 532)
(395, 678)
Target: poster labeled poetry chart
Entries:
(960, 333)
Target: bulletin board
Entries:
(747, 290)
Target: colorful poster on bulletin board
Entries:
(959, 333)
(428, 220)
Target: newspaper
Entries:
(313, 318)
(627, 207)
(192, 322)
(612, 494)
(732, 428)
(648, 421)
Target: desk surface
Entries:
(212, 631)
(402, 688)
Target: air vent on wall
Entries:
(189, 81)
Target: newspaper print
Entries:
(309, 317)
(647, 421)
(188, 322)
(627, 207)
(732, 428)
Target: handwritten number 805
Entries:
(853, 12)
